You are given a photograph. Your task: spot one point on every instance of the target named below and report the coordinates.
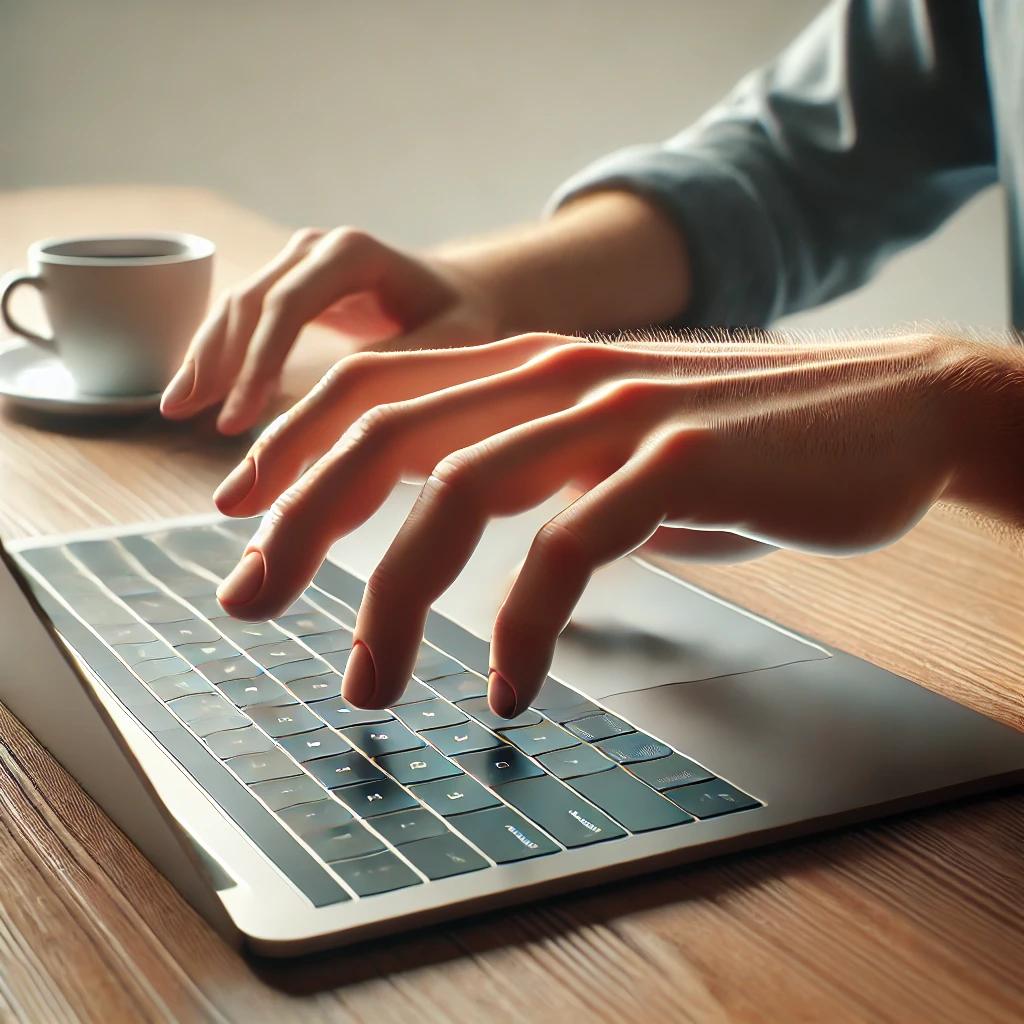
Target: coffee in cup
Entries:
(122, 308)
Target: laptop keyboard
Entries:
(434, 787)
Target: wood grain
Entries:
(912, 919)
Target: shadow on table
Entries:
(972, 822)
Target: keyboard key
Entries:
(169, 687)
(343, 770)
(188, 631)
(585, 709)
(711, 799)
(247, 634)
(341, 842)
(495, 767)
(669, 772)
(540, 739)
(239, 741)
(339, 713)
(420, 766)
(429, 714)
(129, 585)
(304, 625)
(207, 713)
(315, 688)
(462, 739)
(245, 693)
(455, 796)
(310, 745)
(635, 746)
(503, 835)
(339, 609)
(560, 811)
(386, 738)
(201, 653)
(460, 686)
(230, 668)
(328, 643)
(300, 606)
(338, 660)
(380, 872)
(598, 727)
(432, 664)
(152, 649)
(281, 793)
(444, 856)
(158, 608)
(126, 633)
(581, 760)
(409, 826)
(100, 611)
(478, 708)
(284, 721)
(415, 691)
(204, 545)
(303, 670)
(554, 696)
(629, 801)
(208, 606)
(280, 653)
(149, 671)
(370, 799)
(262, 767)
(308, 819)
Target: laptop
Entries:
(674, 726)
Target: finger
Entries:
(713, 546)
(344, 262)
(608, 522)
(350, 389)
(504, 475)
(475, 403)
(349, 484)
(218, 348)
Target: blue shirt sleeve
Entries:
(861, 138)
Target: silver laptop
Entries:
(674, 726)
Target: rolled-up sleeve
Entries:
(860, 139)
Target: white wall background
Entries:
(418, 120)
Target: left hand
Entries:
(722, 448)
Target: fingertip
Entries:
(359, 684)
(244, 583)
(236, 486)
(501, 696)
(174, 400)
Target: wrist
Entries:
(604, 262)
(985, 385)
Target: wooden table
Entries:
(919, 918)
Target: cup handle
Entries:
(8, 284)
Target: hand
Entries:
(736, 447)
(344, 279)
(604, 261)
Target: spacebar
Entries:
(233, 798)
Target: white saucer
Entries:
(35, 379)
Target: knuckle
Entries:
(305, 237)
(561, 550)
(459, 471)
(278, 300)
(630, 396)
(683, 445)
(350, 241)
(377, 426)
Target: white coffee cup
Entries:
(122, 308)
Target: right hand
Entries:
(346, 279)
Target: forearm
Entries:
(607, 261)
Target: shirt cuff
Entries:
(733, 250)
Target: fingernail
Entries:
(359, 683)
(500, 696)
(236, 485)
(245, 581)
(181, 387)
